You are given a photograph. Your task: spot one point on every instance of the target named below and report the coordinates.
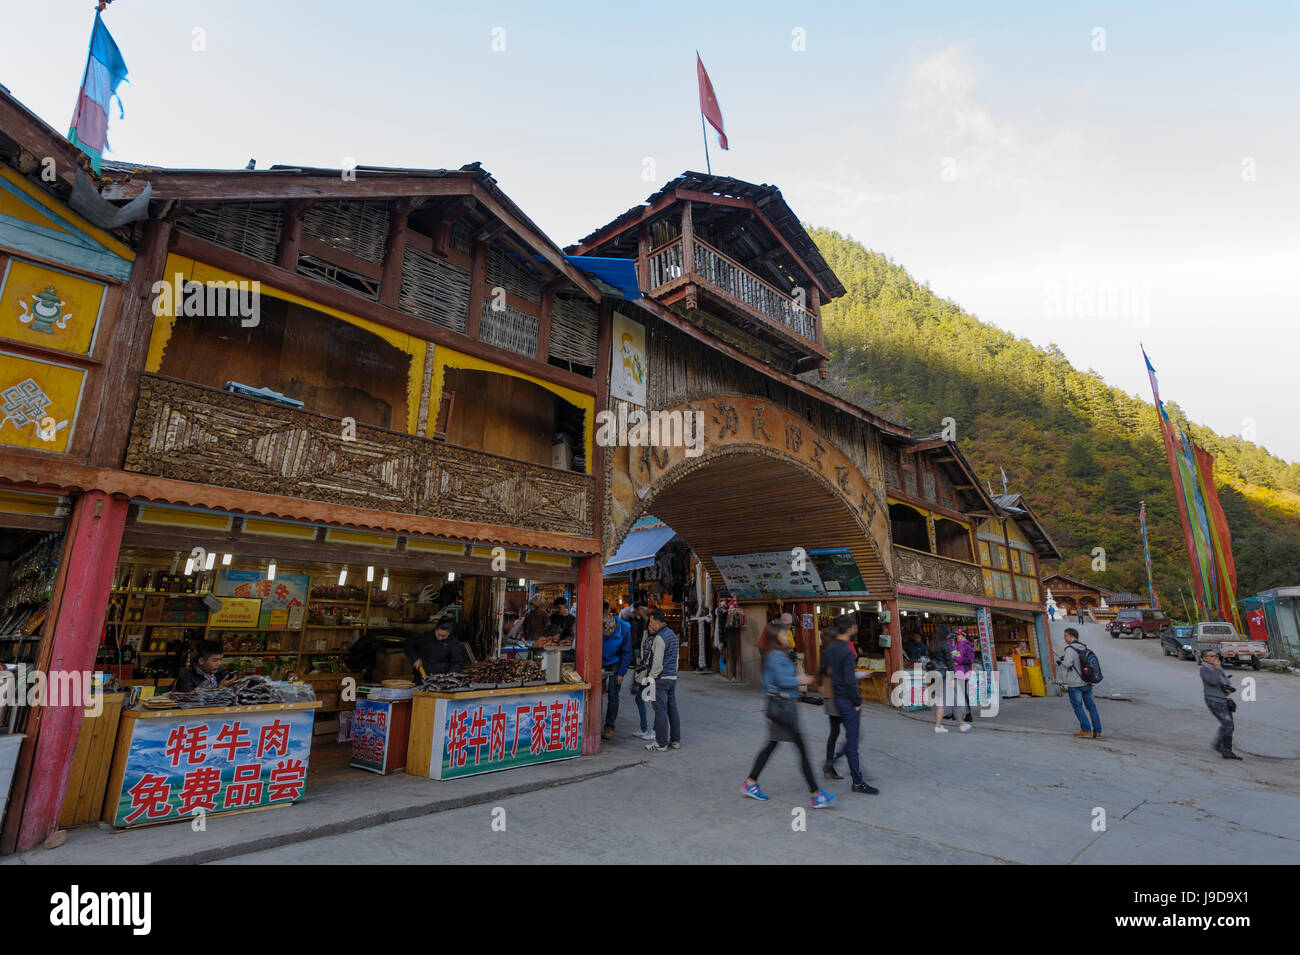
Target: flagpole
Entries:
(707, 165)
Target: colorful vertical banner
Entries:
(1146, 553)
(105, 71)
(1205, 530)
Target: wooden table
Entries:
(480, 731)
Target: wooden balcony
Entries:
(731, 291)
(194, 433)
(919, 569)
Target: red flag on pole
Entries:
(709, 102)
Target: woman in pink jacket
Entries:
(963, 658)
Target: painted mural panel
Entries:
(38, 402)
(49, 307)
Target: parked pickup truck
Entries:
(1223, 637)
(1141, 622)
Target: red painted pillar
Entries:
(72, 630)
(894, 652)
(588, 648)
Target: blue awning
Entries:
(616, 274)
(639, 550)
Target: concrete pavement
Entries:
(1017, 789)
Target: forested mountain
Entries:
(1083, 453)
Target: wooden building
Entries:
(1072, 594)
(327, 378)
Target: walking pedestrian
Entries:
(1069, 674)
(663, 674)
(963, 657)
(616, 657)
(828, 693)
(1217, 686)
(840, 662)
(1079, 611)
(940, 665)
(642, 643)
(782, 685)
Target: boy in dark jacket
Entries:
(840, 664)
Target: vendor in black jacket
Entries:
(207, 672)
(437, 653)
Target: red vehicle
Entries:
(1143, 622)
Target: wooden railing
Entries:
(937, 573)
(667, 264)
(194, 433)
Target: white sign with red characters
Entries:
(178, 765)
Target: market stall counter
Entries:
(170, 763)
(463, 725)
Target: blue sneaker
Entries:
(822, 799)
(753, 791)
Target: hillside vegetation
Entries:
(1083, 453)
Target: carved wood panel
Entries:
(191, 433)
(926, 570)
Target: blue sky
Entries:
(1143, 191)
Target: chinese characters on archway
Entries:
(214, 766)
(491, 734)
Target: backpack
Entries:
(1089, 665)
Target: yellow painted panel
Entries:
(49, 307)
(558, 560)
(11, 205)
(204, 520)
(414, 384)
(479, 550)
(264, 528)
(16, 502)
(99, 235)
(445, 358)
(338, 536)
(435, 547)
(39, 402)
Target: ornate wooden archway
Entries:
(763, 479)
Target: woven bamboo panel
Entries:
(509, 328)
(510, 274)
(889, 465)
(434, 289)
(244, 227)
(573, 331)
(665, 230)
(197, 434)
(462, 237)
(357, 227)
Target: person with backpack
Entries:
(1078, 671)
(782, 685)
(839, 662)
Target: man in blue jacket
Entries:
(841, 664)
(616, 657)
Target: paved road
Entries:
(1017, 789)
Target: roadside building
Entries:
(1071, 593)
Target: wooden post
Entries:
(120, 377)
(643, 255)
(688, 240)
(291, 236)
(588, 647)
(478, 275)
(73, 626)
(390, 284)
(894, 652)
